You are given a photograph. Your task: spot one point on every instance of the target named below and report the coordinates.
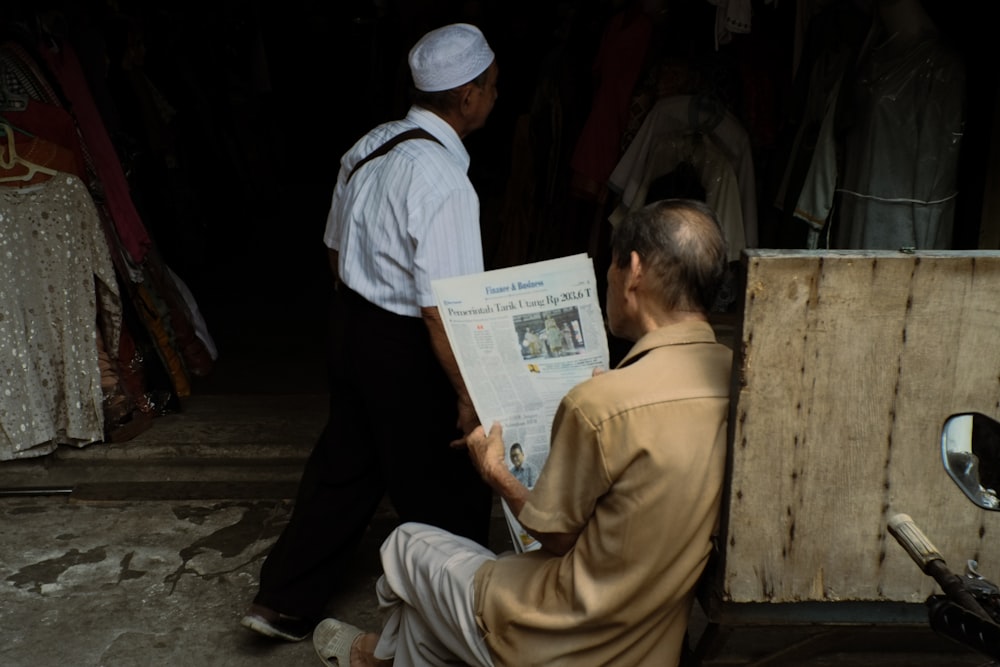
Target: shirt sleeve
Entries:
(574, 477)
(331, 236)
(447, 241)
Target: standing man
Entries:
(403, 213)
(625, 506)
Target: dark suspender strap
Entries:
(415, 133)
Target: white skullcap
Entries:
(449, 57)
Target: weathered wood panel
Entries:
(848, 364)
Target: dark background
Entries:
(266, 97)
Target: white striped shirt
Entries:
(407, 217)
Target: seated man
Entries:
(624, 507)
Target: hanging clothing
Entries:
(666, 76)
(808, 150)
(22, 75)
(619, 62)
(670, 134)
(731, 17)
(810, 178)
(37, 151)
(81, 128)
(128, 225)
(55, 268)
(899, 179)
(53, 124)
(715, 174)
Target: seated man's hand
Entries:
(487, 452)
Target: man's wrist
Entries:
(499, 476)
(492, 477)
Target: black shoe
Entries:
(270, 623)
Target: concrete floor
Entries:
(146, 553)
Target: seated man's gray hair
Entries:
(680, 243)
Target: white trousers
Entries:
(427, 592)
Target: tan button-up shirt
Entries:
(636, 468)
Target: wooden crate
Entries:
(846, 366)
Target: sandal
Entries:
(333, 640)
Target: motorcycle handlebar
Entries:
(930, 561)
(913, 540)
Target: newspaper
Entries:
(524, 336)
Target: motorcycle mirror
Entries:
(970, 449)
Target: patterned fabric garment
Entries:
(52, 247)
(21, 75)
(128, 225)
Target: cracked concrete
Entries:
(146, 553)
(143, 582)
(135, 583)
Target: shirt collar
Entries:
(682, 333)
(440, 128)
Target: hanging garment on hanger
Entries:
(713, 168)
(47, 116)
(51, 123)
(56, 270)
(899, 182)
(681, 115)
(666, 76)
(806, 159)
(731, 17)
(27, 160)
(817, 191)
(128, 224)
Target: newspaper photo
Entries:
(523, 336)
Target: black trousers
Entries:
(392, 416)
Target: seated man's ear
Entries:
(635, 264)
